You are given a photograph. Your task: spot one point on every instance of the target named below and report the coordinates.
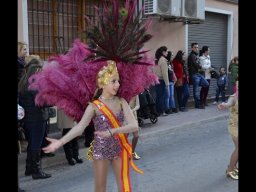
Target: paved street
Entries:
(188, 158)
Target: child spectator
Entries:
(221, 85)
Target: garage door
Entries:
(212, 33)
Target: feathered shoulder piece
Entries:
(68, 81)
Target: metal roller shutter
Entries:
(212, 33)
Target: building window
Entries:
(54, 24)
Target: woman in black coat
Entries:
(35, 120)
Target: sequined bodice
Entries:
(106, 148)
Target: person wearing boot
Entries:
(35, 120)
(71, 148)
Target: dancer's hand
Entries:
(221, 106)
(53, 146)
(103, 134)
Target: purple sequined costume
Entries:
(106, 148)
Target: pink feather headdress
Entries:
(68, 81)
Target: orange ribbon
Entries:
(126, 146)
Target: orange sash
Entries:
(126, 146)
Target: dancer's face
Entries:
(113, 85)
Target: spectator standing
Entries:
(221, 86)
(22, 52)
(172, 80)
(35, 120)
(71, 148)
(205, 63)
(162, 89)
(181, 85)
(233, 71)
(196, 78)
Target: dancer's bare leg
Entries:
(234, 155)
(117, 167)
(100, 168)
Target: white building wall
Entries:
(23, 22)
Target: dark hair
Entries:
(235, 59)
(159, 53)
(203, 50)
(221, 68)
(169, 56)
(192, 44)
(179, 55)
(97, 94)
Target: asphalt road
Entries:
(190, 159)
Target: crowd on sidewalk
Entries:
(169, 96)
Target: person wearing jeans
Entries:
(184, 97)
(205, 63)
(197, 79)
(181, 85)
(172, 79)
(162, 89)
(162, 92)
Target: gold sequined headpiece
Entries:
(106, 73)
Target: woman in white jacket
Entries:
(205, 63)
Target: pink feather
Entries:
(69, 83)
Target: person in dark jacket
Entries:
(196, 78)
(35, 121)
(233, 71)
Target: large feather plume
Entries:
(120, 34)
(68, 81)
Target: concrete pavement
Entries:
(165, 124)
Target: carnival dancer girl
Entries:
(107, 149)
(232, 103)
(96, 82)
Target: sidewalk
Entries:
(165, 124)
